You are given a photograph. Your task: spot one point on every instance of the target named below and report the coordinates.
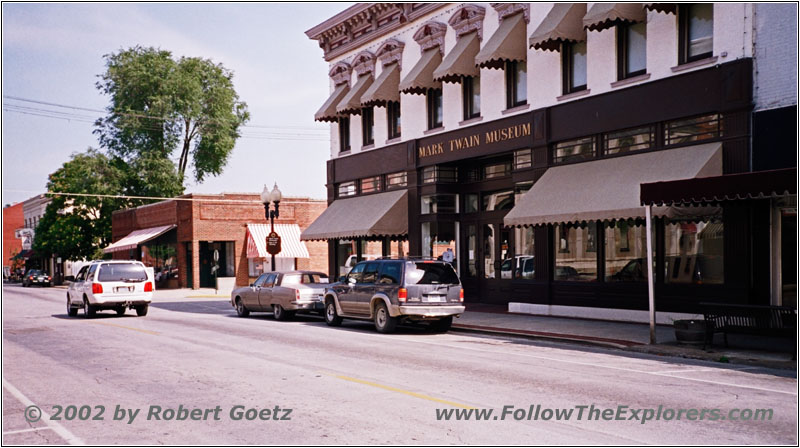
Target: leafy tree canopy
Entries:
(161, 107)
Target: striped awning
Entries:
(137, 237)
(291, 246)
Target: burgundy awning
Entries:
(728, 187)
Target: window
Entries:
(437, 237)
(471, 203)
(497, 170)
(396, 180)
(629, 140)
(631, 50)
(390, 273)
(439, 203)
(370, 273)
(371, 184)
(344, 134)
(575, 259)
(523, 261)
(355, 274)
(367, 126)
(393, 119)
(498, 200)
(696, 31)
(573, 64)
(421, 273)
(694, 250)
(435, 112)
(522, 159)
(574, 150)
(347, 189)
(520, 188)
(692, 129)
(443, 174)
(516, 83)
(471, 89)
(626, 251)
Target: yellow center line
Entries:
(108, 324)
(402, 391)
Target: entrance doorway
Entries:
(488, 249)
(211, 269)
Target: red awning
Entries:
(291, 246)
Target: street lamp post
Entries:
(275, 197)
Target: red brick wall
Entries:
(13, 219)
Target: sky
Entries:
(53, 53)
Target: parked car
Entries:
(388, 291)
(36, 277)
(283, 293)
(522, 264)
(352, 260)
(111, 285)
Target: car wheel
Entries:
(279, 313)
(331, 318)
(384, 322)
(442, 325)
(141, 310)
(71, 311)
(120, 311)
(241, 310)
(88, 309)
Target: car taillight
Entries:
(297, 294)
(461, 295)
(97, 288)
(148, 287)
(402, 294)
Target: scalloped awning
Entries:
(137, 237)
(351, 103)
(562, 24)
(328, 110)
(506, 44)
(382, 214)
(460, 61)
(420, 78)
(605, 15)
(385, 88)
(608, 189)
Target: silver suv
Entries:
(111, 285)
(389, 291)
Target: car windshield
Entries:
(430, 273)
(120, 272)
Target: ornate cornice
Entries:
(467, 19)
(391, 51)
(364, 63)
(509, 9)
(431, 35)
(340, 73)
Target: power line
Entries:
(155, 198)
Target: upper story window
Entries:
(631, 50)
(574, 150)
(344, 134)
(516, 83)
(435, 108)
(629, 140)
(471, 92)
(371, 184)
(367, 126)
(696, 23)
(573, 66)
(444, 174)
(396, 180)
(522, 159)
(497, 170)
(347, 189)
(393, 119)
(692, 129)
(439, 203)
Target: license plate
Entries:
(123, 289)
(435, 298)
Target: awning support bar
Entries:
(650, 282)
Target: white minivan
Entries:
(111, 285)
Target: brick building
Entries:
(179, 237)
(13, 219)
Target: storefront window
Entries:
(692, 129)
(575, 260)
(472, 241)
(520, 189)
(489, 256)
(498, 200)
(694, 251)
(371, 184)
(439, 203)
(523, 261)
(438, 238)
(345, 256)
(471, 203)
(396, 180)
(347, 189)
(497, 170)
(574, 150)
(433, 174)
(629, 140)
(626, 252)
(522, 159)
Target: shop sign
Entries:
(273, 243)
(460, 144)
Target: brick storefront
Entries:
(203, 219)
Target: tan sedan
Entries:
(283, 293)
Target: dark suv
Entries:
(387, 291)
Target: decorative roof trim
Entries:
(364, 63)
(391, 51)
(340, 73)
(431, 35)
(467, 19)
(505, 10)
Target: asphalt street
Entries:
(350, 385)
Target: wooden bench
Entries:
(763, 320)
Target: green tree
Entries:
(161, 106)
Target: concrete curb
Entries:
(603, 342)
